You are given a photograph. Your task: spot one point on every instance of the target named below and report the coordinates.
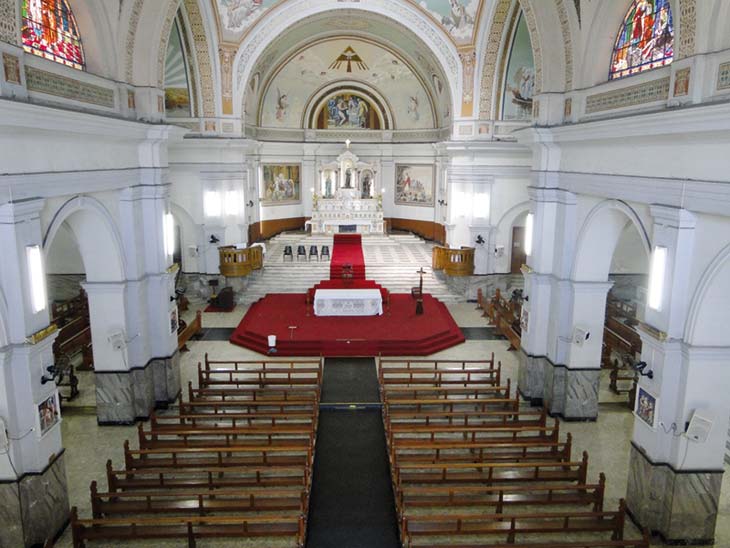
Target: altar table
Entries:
(348, 302)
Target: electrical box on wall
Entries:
(699, 427)
(581, 335)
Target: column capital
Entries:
(144, 192)
(21, 210)
(101, 288)
(673, 217)
(590, 287)
(552, 194)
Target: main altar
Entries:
(347, 198)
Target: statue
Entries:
(328, 186)
(348, 178)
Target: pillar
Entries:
(33, 492)
(675, 477)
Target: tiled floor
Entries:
(88, 446)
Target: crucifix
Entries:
(419, 300)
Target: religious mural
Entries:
(645, 40)
(348, 111)
(458, 17)
(414, 185)
(177, 92)
(519, 80)
(287, 98)
(280, 184)
(238, 15)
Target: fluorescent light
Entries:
(37, 278)
(656, 277)
(168, 232)
(212, 203)
(233, 202)
(528, 233)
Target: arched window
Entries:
(645, 39)
(49, 30)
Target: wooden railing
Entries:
(505, 315)
(454, 262)
(189, 330)
(236, 262)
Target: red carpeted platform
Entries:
(398, 332)
(347, 249)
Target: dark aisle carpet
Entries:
(350, 380)
(351, 504)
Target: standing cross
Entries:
(419, 300)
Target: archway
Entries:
(85, 277)
(609, 280)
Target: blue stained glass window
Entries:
(645, 39)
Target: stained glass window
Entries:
(645, 40)
(49, 30)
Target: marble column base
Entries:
(679, 506)
(122, 397)
(571, 393)
(34, 508)
(530, 377)
(166, 373)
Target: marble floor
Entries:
(88, 446)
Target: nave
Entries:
(606, 441)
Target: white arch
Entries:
(286, 14)
(600, 233)
(188, 235)
(96, 235)
(708, 315)
(511, 215)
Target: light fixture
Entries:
(382, 190)
(212, 203)
(168, 232)
(36, 277)
(528, 233)
(233, 202)
(656, 277)
(311, 189)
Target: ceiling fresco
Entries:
(459, 18)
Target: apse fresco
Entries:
(49, 31)
(458, 17)
(519, 80)
(645, 40)
(238, 15)
(177, 94)
(348, 111)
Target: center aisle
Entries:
(351, 503)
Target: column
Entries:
(547, 299)
(571, 391)
(33, 492)
(675, 474)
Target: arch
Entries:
(4, 336)
(709, 311)
(267, 29)
(510, 216)
(96, 236)
(190, 234)
(95, 25)
(600, 232)
(645, 39)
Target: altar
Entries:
(346, 197)
(348, 302)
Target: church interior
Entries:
(364, 273)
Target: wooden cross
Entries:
(419, 300)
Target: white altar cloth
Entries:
(348, 302)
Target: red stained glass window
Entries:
(49, 30)
(645, 39)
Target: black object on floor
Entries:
(350, 380)
(481, 334)
(351, 504)
(217, 333)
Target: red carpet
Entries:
(398, 333)
(347, 249)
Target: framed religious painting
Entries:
(48, 414)
(646, 407)
(280, 184)
(414, 184)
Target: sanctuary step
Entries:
(391, 261)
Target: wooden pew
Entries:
(437, 392)
(189, 331)
(494, 417)
(187, 527)
(227, 436)
(298, 417)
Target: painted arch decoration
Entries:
(519, 77)
(645, 40)
(50, 31)
(177, 83)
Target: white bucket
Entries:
(272, 341)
